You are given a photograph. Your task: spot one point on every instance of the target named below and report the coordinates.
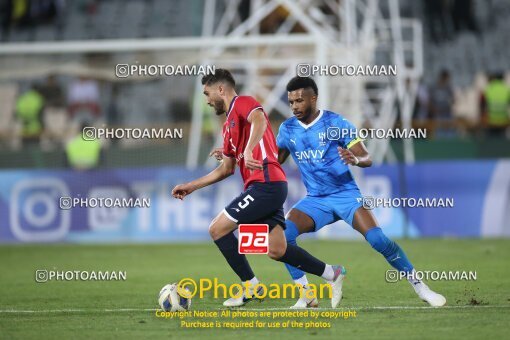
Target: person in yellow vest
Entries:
(28, 110)
(495, 105)
(83, 154)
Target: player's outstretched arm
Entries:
(282, 155)
(224, 170)
(357, 155)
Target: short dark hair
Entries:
(298, 82)
(219, 75)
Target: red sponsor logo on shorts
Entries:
(253, 239)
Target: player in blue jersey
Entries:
(323, 144)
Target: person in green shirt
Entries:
(29, 107)
(83, 154)
(495, 105)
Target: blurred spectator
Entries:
(20, 12)
(495, 103)
(421, 110)
(441, 104)
(30, 13)
(82, 154)
(14, 12)
(55, 118)
(441, 97)
(29, 107)
(83, 100)
(52, 92)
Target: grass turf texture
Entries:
(477, 309)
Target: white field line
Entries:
(47, 311)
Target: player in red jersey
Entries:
(236, 133)
(249, 142)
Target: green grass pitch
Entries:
(126, 309)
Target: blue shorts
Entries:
(262, 202)
(325, 210)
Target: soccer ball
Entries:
(171, 300)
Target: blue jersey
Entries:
(314, 149)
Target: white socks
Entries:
(412, 278)
(329, 273)
(254, 281)
(303, 281)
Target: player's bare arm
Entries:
(356, 155)
(283, 154)
(224, 170)
(258, 127)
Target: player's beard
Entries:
(219, 107)
(306, 114)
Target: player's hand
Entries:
(251, 163)
(182, 190)
(217, 153)
(347, 156)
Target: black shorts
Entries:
(260, 203)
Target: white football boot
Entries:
(426, 294)
(304, 301)
(336, 285)
(242, 300)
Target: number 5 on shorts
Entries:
(246, 201)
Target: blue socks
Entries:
(389, 249)
(291, 233)
(375, 236)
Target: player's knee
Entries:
(276, 253)
(214, 230)
(276, 250)
(378, 240)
